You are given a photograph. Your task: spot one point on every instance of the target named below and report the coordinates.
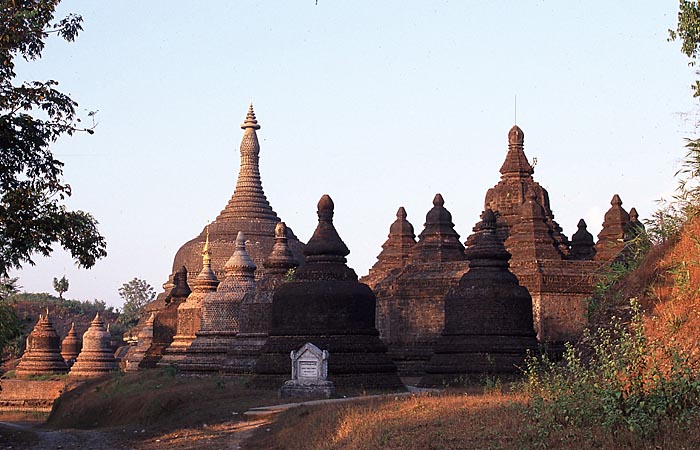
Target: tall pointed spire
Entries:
(248, 200)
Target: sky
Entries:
(378, 104)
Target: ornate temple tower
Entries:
(220, 315)
(516, 184)
(248, 211)
(189, 313)
(255, 313)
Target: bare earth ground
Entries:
(151, 410)
(32, 436)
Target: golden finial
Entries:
(206, 254)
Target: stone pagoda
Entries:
(326, 306)
(248, 211)
(558, 281)
(611, 239)
(42, 355)
(256, 307)
(96, 357)
(220, 315)
(396, 251)
(189, 313)
(410, 308)
(582, 245)
(71, 345)
(488, 316)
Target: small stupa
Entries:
(488, 316)
(42, 355)
(530, 233)
(96, 357)
(582, 245)
(144, 341)
(189, 313)
(71, 345)
(396, 251)
(220, 315)
(256, 307)
(611, 239)
(326, 306)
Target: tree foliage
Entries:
(33, 115)
(60, 286)
(136, 294)
(9, 323)
(688, 31)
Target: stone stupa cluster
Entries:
(246, 294)
(89, 356)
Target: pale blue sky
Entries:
(379, 104)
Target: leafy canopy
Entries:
(688, 31)
(33, 115)
(60, 286)
(136, 294)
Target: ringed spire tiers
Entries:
(248, 210)
(249, 199)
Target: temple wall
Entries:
(29, 395)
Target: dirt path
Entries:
(226, 435)
(31, 436)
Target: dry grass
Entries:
(156, 398)
(452, 421)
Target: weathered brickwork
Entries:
(326, 306)
(410, 299)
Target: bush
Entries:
(628, 382)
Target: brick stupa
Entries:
(256, 307)
(42, 355)
(396, 251)
(582, 244)
(248, 211)
(144, 341)
(326, 306)
(558, 282)
(611, 239)
(220, 315)
(410, 307)
(96, 357)
(488, 316)
(164, 322)
(189, 313)
(71, 345)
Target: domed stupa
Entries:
(96, 358)
(248, 211)
(42, 355)
(326, 306)
(71, 345)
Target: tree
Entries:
(688, 31)
(60, 286)
(9, 323)
(136, 294)
(33, 115)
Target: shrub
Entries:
(628, 382)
